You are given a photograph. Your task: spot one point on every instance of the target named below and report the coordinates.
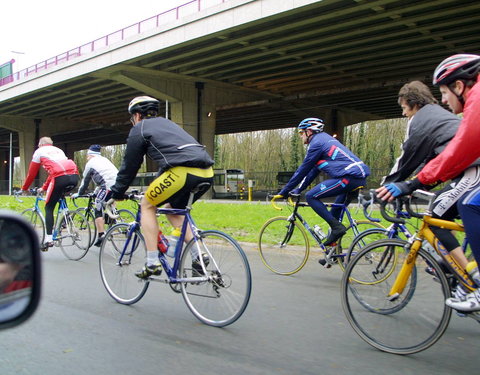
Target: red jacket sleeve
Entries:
(32, 172)
(462, 150)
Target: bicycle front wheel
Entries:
(73, 235)
(34, 217)
(222, 299)
(283, 245)
(345, 241)
(404, 324)
(121, 255)
(126, 216)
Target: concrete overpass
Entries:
(236, 66)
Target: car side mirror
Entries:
(20, 269)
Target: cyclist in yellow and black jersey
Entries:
(182, 164)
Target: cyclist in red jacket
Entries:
(458, 77)
(62, 177)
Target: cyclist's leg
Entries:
(57, 187)
(330, 188)
(469, 209)
(193, 177)
(52, 196)
(445, 207)
(470, 213)
(99, 220)
(173, 187)
(346, 198)
(327, 188)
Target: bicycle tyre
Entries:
(126, 216)
(343, 244)
(32, 216)
(409, 324)
(283, 245)
(222, 299)
(73, 235)
(118, 277)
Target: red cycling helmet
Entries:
(460, 66)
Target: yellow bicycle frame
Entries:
(425, 233)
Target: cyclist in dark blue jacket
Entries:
(346, 171)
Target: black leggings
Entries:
(59, 186)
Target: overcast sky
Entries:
(38, 30)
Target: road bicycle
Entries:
(216, 291)
(120, 215)
(284, 245)
(71, 231)
(390, 300)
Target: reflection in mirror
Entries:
(16, 268)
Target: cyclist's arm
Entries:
(132, 160)
(32, 172)
(307, 168)
(87, 177)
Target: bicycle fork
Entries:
(405, 272)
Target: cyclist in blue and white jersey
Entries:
(346, 171)
(103, 173)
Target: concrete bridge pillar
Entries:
(196, 114)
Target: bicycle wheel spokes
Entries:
(224, 297)
(283, 246)
(414, 320)
(37, 222)
(346, 240)
(74, 235)
(118, 266)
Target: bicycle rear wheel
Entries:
(37, 222)
(408, 324)
(121, 255)
(223, 298)
(283, 245)
(73, 235)
(343, 244)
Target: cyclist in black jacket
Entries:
(182, 164)
(430, 128)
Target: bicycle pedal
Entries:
(324, 263)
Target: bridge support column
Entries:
(26, 141)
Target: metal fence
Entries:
(156, 21)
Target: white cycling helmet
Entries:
(143, 104)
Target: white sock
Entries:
(152, 257)
(48, 238)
